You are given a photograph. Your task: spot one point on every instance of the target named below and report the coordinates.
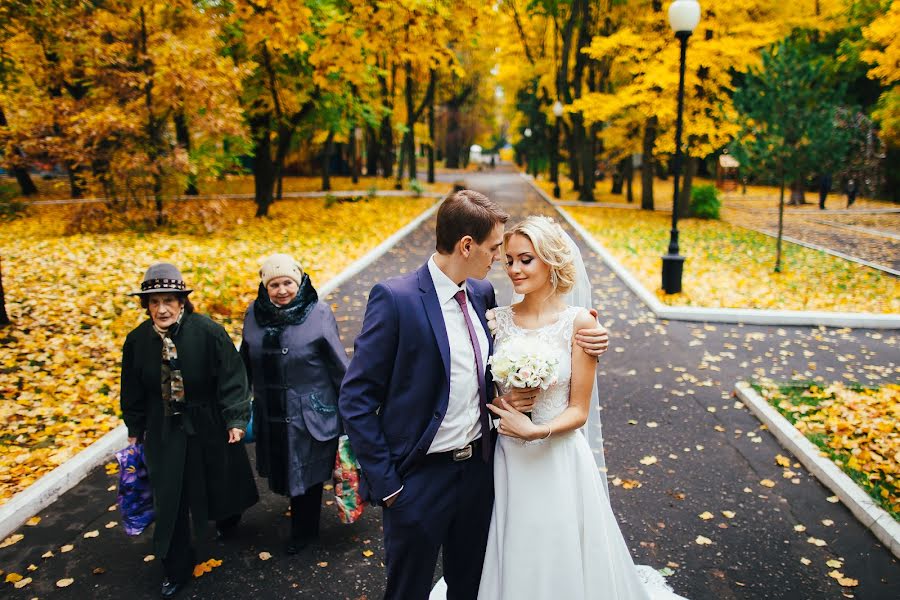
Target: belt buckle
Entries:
(462, 454)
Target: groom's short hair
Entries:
(463, 213)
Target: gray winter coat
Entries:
(295, 390)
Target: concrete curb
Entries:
(872, 516)
(751, 316)
(46, 490)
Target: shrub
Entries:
(416, 186)
(705, 203)
(10, 205)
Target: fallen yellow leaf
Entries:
(65, 582)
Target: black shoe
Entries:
(170, 588)
(295, 546)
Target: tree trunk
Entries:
(373, 151)
(618, 177)
(798, 195)
(387, 147)
(454, 137)
(326, 162)
(26, 185)
(354, 159)
(263, 166)
(647, 164)
(282, 147)
(183, 139)
(574, 168)
(585, 154)
(409, 138)
(684, 194)
(431, 135)
(629, 179)
(4, 318)
(780, 221)
(76, 190)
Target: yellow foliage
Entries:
(67, 297)
(859, 426)
(731, 267)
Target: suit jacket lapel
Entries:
(435, 316)
(478, 304)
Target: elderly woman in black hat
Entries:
(296, 363)
(185, 396)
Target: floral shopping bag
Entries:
(346, 483)
(135, 498)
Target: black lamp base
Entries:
(672, 267)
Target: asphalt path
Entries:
(665, 392)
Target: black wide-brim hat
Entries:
(162, 278)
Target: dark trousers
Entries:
(305, 512)
(179, 561)
(444, 504)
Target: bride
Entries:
(553, 533)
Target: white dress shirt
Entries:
(461, 423)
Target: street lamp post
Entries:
(527, 134)
(554, 156)
(684, 15)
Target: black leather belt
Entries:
(472, 449)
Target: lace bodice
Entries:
(552, 401)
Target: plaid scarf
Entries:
(171, 379)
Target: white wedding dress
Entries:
(553, 534)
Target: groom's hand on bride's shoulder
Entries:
(594, 341)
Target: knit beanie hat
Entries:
(280, 265)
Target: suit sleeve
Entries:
(364, 390)
(132, 399)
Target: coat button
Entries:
(437, 415)
(284, 350)
(287, 419)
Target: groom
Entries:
(413, 403)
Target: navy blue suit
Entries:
(393, 399)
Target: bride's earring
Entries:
(553, 279)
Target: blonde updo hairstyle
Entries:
(551, 246)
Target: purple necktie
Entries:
(460, 298)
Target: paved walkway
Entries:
(665, 392)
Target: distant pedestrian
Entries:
(185, 397)
(824, 188)
(296, 361)
(852, 190)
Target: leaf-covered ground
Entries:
(729, 266)
(855, 426)
(67, 298)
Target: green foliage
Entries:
(416, 186)
(705, 203)
(789, 120)
(330, 200)
(372, 192)
(10, 206)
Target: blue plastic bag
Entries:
(250, 435)
(135, 498)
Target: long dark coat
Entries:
(295, 391)
(220, 480)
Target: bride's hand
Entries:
(521, 399)
(514, 424)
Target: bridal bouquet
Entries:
(524, 362)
